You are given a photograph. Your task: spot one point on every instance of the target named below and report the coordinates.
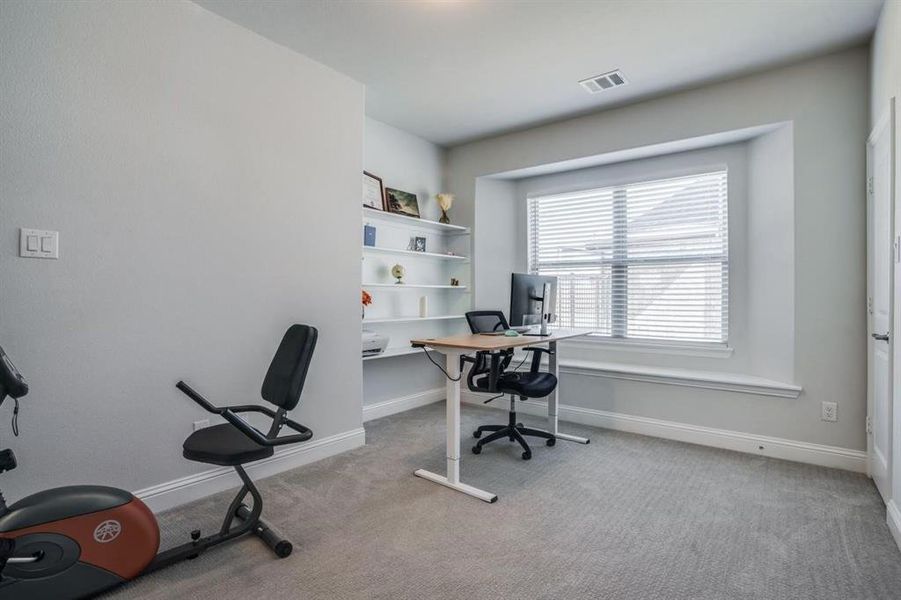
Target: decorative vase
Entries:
(445, 201)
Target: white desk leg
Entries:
(453, 419)
(553, 404)
(452, 479)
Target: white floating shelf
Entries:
(410, 319)
(401, 286)
(371, 214)
(390, 352)
(378, 250)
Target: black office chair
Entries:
(237, 442)
(488, 374)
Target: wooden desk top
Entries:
(475, 341)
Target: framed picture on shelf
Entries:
(419, 244)
(373, 191)
(402, 203)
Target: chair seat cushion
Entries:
(531, 385)
(223, 445)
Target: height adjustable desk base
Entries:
(452, 347)
(460, 487)
(573, 438)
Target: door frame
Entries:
(885, 122)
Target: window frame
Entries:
(618, 321)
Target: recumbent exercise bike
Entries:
(77, 541)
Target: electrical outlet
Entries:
(201, 424)
(829, 412)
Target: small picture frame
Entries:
(402, 203)
(368, 235)
(419, 244)
(373, 192)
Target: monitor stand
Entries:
(545, 316)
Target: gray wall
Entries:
(771, 255)
(205, 183)
(826, 101)
(500, 243)
(885, 60)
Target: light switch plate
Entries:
(38, 243)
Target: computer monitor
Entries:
(527, 297)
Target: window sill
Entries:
(650, 347)
(729, 382)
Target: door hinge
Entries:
(869, 426)
(869, 185)
(870, 304)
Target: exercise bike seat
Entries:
(223, 445)
(61, 503)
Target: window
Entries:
(645, 260)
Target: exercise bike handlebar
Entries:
(229, 413)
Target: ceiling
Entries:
(453, 71)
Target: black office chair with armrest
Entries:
(488, 374)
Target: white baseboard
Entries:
(396, 405)
(893, 517)
(815, 454)
(193, 487)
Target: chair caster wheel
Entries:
(526, 455)
(512, 439)
(551, 442)
(520, 425)
(476, 449)
(477, 434)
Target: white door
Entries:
(881, 259)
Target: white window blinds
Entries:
(646, 260)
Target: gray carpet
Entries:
(625, 517)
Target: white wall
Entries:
(205, 183)
(405, 162)
(825, 100)
(412, 164)
(885, 70)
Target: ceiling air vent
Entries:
(607, 81)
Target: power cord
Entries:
(446, 374)
(16, 417)
(440, 368)
(524, 359)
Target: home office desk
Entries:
(453, 347)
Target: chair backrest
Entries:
(288, 370)
(486, 321)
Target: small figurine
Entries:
(398, 271)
